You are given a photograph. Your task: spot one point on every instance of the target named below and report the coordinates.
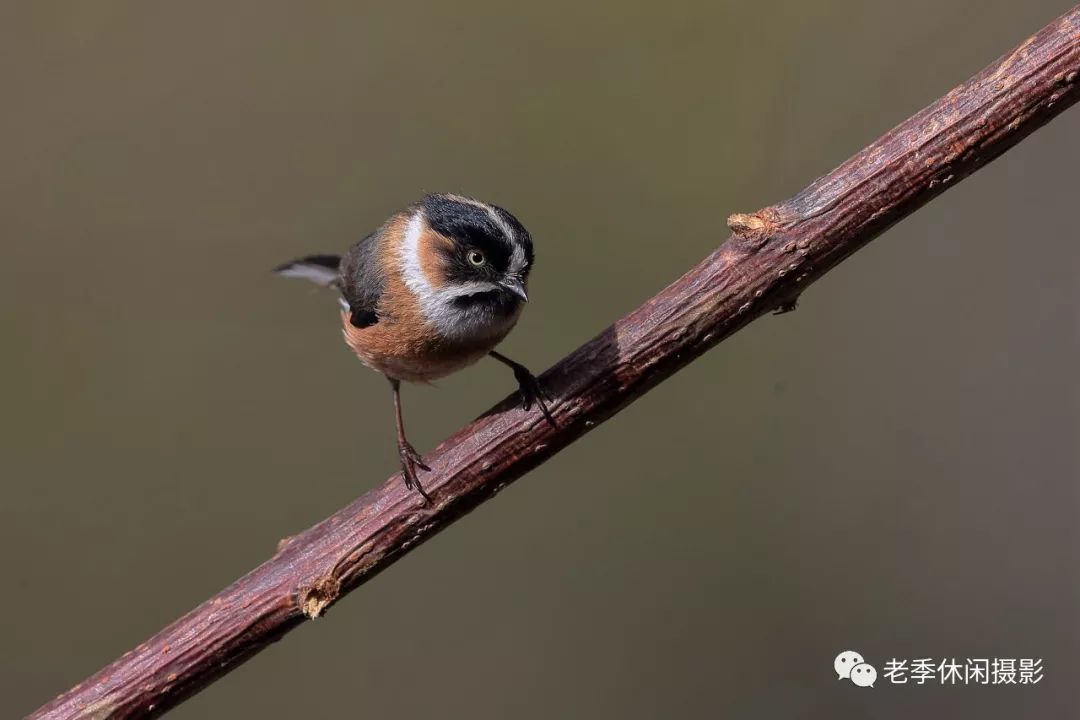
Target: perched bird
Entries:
(433, 290)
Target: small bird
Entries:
(433, 290)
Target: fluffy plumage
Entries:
(433, 290)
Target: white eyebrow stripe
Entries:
(517, 259)
(517, 255)
(501, 224)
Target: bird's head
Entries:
(467, 261)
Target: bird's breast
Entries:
(412, 352)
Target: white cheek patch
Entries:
(412, 273)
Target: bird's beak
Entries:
(516, 287)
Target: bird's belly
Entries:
(398, 354)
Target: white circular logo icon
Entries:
(863, 675)
(844, 662)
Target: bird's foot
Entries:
(411, 461)
(532, 392)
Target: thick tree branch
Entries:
(773, 255)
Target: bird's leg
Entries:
(528, 385)
(410, 459)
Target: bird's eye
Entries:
(476, 257)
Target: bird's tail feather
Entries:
(319, 269)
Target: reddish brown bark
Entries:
(772, 256)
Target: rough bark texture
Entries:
(772, 256)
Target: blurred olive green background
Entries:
(893, 468)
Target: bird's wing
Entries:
(363, 280)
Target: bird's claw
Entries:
(532, 392)
(411, 461)
(408, 452)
